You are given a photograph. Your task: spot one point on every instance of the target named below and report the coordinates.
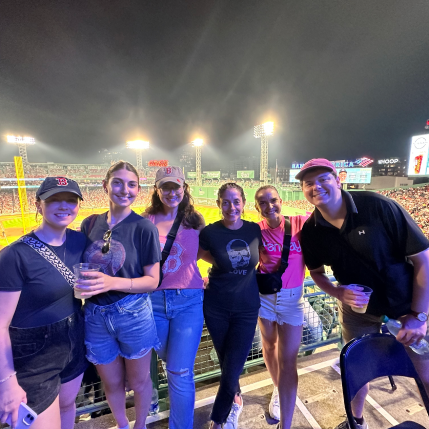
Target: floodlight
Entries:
(22, 143)
(137, 144)
(262, 132)
(20, 140)
(197, 142)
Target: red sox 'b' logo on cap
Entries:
(168, 170)
(62, 181)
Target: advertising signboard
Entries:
(346, 175)
(246, 174)
(191, 174)
(211, 174)
(418, 160)
(158, 163)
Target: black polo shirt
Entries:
(371, 248)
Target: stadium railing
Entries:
(321, 328)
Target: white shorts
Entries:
(286, 306)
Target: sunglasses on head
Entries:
(106, 237)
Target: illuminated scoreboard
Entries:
(346, 175)
(418, 164)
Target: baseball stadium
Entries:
(318, 367)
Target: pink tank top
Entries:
(269, 257)
(180, 269)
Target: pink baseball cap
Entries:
(169, 174)
(313, 164)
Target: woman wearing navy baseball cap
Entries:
(42, 357)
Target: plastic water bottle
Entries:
(154, 403)
(395, 325)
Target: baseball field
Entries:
(11, 225)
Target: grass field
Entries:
(11, 225)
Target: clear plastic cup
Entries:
(367, 291)
(79, 273)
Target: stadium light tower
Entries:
(198, 143)
(262, 132)
(138, 146)
(22, 143)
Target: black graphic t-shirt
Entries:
(232, 279)
(134, 244)
(46, 296)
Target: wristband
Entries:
(7, 378)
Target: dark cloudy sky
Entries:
(341, 79)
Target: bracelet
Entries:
(7, 378)
(129, 290)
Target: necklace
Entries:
(58, 248)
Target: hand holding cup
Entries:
(360, 296)
(83, 272)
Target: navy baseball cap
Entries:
(54, 185)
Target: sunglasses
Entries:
(106, 237)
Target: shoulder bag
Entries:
(271, 283)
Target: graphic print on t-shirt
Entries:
(277, 248)
(110, 262)
(239, 255)
(174, 260)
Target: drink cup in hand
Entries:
(80, 271)
(365, 290)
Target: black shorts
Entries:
(48, 356)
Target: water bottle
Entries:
(154, 402)
(395, 325)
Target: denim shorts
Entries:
(48, 356)
(286, 306)
(125, 328)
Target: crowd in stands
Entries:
(299, 204)
(93, 198)
(415, 201)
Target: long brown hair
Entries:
(191, 218)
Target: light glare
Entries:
(198, 142)
(138, 144)
(20, 140)
(268, 128)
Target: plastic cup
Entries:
(79, 273)
(367, 291)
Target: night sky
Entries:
(340, 79)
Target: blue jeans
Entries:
(232, 334)
(179, 322)
(125, 328)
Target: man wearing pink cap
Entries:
(370, 240)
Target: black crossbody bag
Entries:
(169, 243)
(271, 283)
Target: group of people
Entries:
(149, 293)
(415, 202)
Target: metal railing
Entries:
(321, 328)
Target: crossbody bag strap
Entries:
(50, 256)
(286, 246)
(171, 237)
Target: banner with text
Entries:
(246, 174)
